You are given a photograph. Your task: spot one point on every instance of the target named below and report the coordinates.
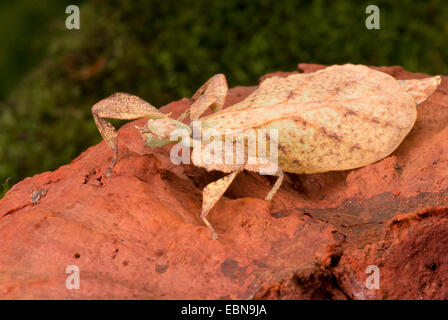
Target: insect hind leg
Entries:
(276, 186)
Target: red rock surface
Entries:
(137, 235)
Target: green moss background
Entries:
(164, 50)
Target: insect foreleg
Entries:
(211, 94)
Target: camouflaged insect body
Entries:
(339, 118)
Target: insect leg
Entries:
(262, 164)
(276, 186)
(211, 194)
(120, 106)
(211, 94)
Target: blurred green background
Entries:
(164, 50)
